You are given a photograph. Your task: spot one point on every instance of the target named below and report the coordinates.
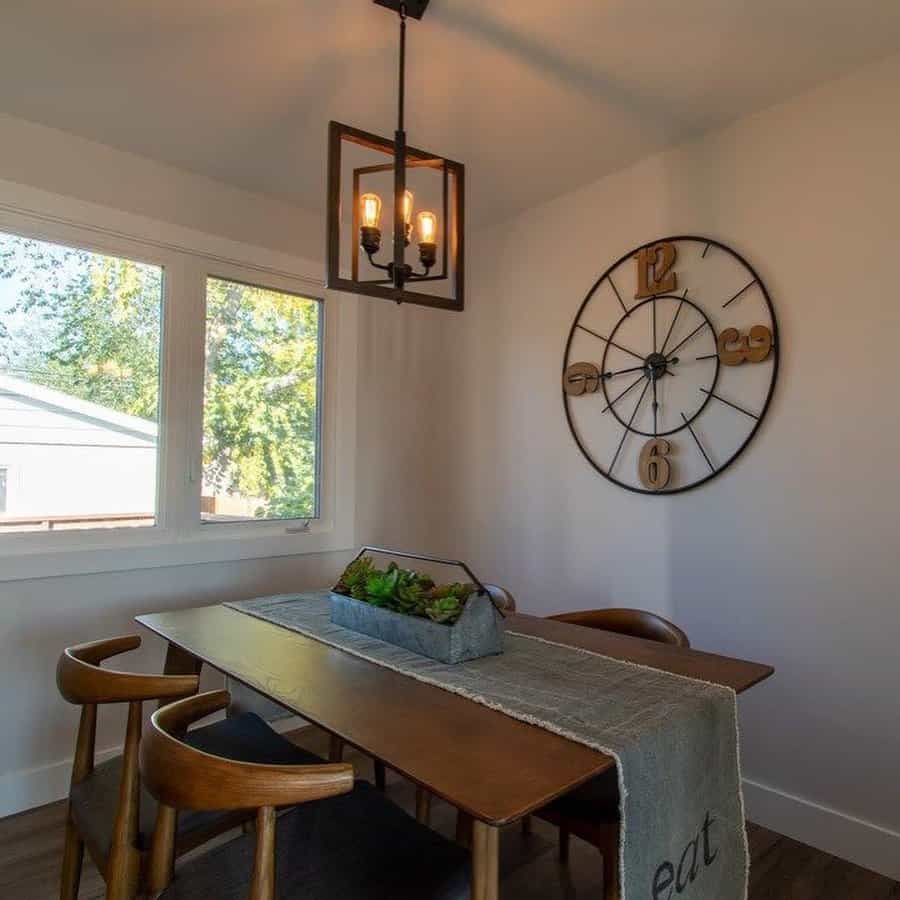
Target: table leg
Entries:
(180, 662)
(423, 806)
(485, 861)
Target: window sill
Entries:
(152, 548)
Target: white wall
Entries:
(791, 556)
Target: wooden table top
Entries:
(491, 766)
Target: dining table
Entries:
(492, 767)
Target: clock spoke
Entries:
(748, 285)
(692, 335)
(740, 409)
(612, 284)
(707, 356)
(712, 468)
(615, 400)
(625, 433)
(611, 343)
(705, 251)
(672, 323)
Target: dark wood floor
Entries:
(31, 845)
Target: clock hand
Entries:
(673, 361)
(655, 410)
(623, 371)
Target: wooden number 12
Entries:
(653, 270)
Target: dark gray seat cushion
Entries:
(246, 737)
(358, 846)
(595, 801)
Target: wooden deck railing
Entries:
(50, 523)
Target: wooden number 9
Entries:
(753, 347)
(581, 378)
(653, 467)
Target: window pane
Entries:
(79, 387)
(260, 415)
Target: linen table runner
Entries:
(674, 740)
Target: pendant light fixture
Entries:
(381, 208)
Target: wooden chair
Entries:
(633, 622)
(353, 844)
(505, 602)
(592, 812)
(108, 812)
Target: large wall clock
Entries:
(670, 364)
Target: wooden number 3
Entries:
(653, 270)
(653, 467)
(753, 347)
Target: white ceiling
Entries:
(535, 97)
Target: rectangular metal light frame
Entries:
(453, 258)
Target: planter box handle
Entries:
(434, 559)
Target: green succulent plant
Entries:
(444, 609)
(404, 591)
(381, 587)
(353, 581)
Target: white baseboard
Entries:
(30, 788)
(856, 840)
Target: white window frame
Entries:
(188, 258)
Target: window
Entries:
(79, 387)
(156, 376)
(261, 403)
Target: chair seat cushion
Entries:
(95, 801)
(596, 801)
(358, 846)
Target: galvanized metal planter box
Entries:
(478, 631)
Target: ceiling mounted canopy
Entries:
(423, 203)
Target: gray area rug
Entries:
(674, 739)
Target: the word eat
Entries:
(668, 879)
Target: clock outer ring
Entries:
(776, 344)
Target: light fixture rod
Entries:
(401, 94)
(399, 271)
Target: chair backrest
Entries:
(633, 622)
(83, 682)
(503, 599)
(182, 777)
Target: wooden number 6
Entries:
(752, 347)
(653, 467)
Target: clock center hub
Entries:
(655, 366)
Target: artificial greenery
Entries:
(404, 591)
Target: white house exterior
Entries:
(62, 458)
